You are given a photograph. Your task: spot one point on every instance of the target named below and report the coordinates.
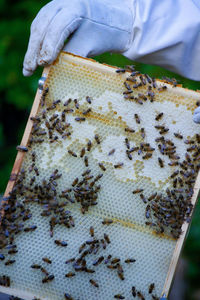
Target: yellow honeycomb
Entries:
(76, 78)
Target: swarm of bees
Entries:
(164, 212)
(93, 247)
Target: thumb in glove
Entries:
(94, 27)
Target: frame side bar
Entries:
(24, 142)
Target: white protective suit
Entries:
(159, 32)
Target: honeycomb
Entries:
(106, 115)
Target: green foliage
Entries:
(17, 95)
(16, 91)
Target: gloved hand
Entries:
(97, 25)
(147, 31)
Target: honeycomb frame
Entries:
(19, 159)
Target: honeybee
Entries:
(82, 152)
(92, 231)
(82, 247)
(147, 156)
(143, 80)
(35, 266)
(119, 296)
(94, 283)
(162, 89)
(56, 102)
(30, 228)
(9, 262)
(173, 163)
(142, 133)
(127, 85)
(89, 145)
(137, 119)
(75, 181)
(61, 243)
(120, 71)
(159, 116)
(130, 260)
(152, 196)
(44, 271)
(161, 163)
(107, 221)
(143, 198)
(10, 252)
(106, 237)
(86, 161)
(68, 110)
(127, 143)
(138, 191)
(133, 290)
(112, 267)
(97, 139)
(151, 94)
(111, 152)
(48, 278)
(98, 261)
(47, 260)
(154, 83)
(163, 131)
(63, 116)
(87, 111)
(140, 295)
(53, 117)
(36, 171)
(137, 85)
(151, 287)
(88, 99)
(70, 274)
(189, 142)
(80, 119)
(119, 165)
(72, 153)
(174, 174)
(86, 172)
(178, 135)
(115, 260)
(22, 148)
(119, 273)
(128, 129)
(68, 102)
(130, 68)
(142, 96)
(148, 212)
(102, 167)
(76, 103)
(70, 260)
(68, 296)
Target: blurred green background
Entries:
(16, 98)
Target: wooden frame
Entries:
(24, 142)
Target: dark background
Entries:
(16, 98)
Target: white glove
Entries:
(165, 33)
(97, 25)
